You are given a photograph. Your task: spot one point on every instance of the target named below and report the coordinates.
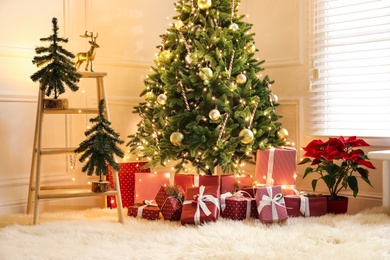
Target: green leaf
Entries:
(314, 184)
(307, 171)
(305, 160)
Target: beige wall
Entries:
(128, 33)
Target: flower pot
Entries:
(100, 186)
(338, 205)
(55, 103)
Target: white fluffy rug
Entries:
(95, 234)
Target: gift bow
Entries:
(271, 201)
(201, 199)
(147, 203)
(304, 206)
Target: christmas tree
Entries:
(100, 146)
(206, 103)
(58, 65)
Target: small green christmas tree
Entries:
(100, 146)
(206, 103)
(59, 68)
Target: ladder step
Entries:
(81, 111)
(52, 151)
(87, 74)
(73, 193)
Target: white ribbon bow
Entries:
(147, 203)
(202, 205)
(272, 201)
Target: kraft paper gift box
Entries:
(305, 206)
(270, 204)
(126, 176)
(276, 167)
(234, 182)
(237, 207)
(149, 210)
(201, 204)
(148, 184)
(170, 201)
(195, 180)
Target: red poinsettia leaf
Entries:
(368, 164)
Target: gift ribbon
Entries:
(147, 203)
(165, 201)
(304, 206)
(271, 201)
(196, 180)
(201, 205)
(270, 170)
(238, 194)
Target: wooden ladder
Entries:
(37, 192)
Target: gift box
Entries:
(237, 207)
(149, 210)
(195, 180)
(126, 176)
(148, 184)
(270, 204)
(234, 182)
(170, 200)
(276, 167)
(201, 204)
(305, 206)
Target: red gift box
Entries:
(201, 204)
(270, 204)
(148, 184)
(169, 199)
(126, 176)
(304, 206)
(149, 211)
(232, 183)
(276, 166)
(195, 180)
(239, 208)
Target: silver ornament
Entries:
(188, 59)
(176, 138)
(234, 27)
(162, 99)
(204, 4)
(247, 136)
(241, 79)
(214, 114)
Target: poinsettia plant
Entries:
(336, 161)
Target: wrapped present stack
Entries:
(126, 176)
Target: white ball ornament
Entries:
(251, 48)
(162, 99)
(247, 136)
(233, 27)
(179, 25)
(274, 98)
(205, 73)
(204, 4)
(176, 138)
(241, 78)
(214, 114)
(188, 59)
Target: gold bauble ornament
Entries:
(251, 48)
(282, 134)
(204, 4)
(247, 136)
(205, 73)
(176, 138)
(162, 99)
(179, 25)
(149, 95)
(214, 114)
(164, 56)
(241, 79)
(139, 151)
(234, 27)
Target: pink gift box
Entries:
(191, 205)
(232, 183)
(126, 176)
(148, 184)
(270, 204)
(302, 206)
(276, 166)
(196, 180)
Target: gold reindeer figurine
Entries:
(90, 55)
